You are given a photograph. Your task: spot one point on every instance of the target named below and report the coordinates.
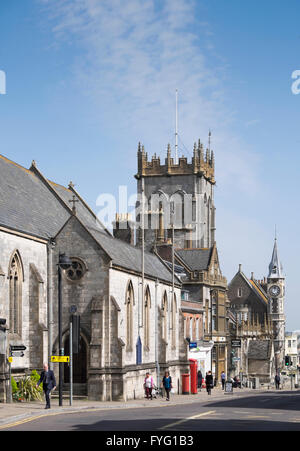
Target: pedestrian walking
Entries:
(209, 382)
(200, 379)
(167, 384)
(49, 383)
(223, 379)
(277, 381)
(148, 385)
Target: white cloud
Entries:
(136, 54)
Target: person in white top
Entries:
(148, 385)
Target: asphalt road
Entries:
(273, 411)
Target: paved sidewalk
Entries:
(18, 411)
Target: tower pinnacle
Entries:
(275, 267)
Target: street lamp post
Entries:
(64, 263)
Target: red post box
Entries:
(194, 376)
(185, 384)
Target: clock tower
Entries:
(276, 295)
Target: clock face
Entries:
(274, 290)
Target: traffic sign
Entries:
(60, 358)
(17, 354)
(18, 348)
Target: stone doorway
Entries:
(79, 363)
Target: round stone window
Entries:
(76, 270)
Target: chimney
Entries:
(124, 228)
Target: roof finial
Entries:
(73, 201)
(209, 139)
(169, 151)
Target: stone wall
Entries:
(34, 298)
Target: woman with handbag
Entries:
(167, 383)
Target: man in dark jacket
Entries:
(277, 381)
(49, 383)
(200, 378)
(209, 382)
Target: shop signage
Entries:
(236, 343)
(193, 345)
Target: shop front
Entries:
(201, 351)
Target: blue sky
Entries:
(88, 79)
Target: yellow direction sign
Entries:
(60, 358)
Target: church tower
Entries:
(184, 192)
(276, 295)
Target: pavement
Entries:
(26, 411)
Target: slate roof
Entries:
(130, 257)
(195, 259)
(259, 289)
(256, 288)
(260, 350)
(26, 204)
(33, 205)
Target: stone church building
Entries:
(147, 301)
(124, 332)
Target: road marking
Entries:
(185, 420)
(27, 420)
(257, 416)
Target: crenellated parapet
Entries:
(201, 165)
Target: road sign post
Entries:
(71, 362)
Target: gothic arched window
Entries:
(173, 319)
(15, 294)
(208, 222)
(129, 316)
(177, 201)
(147, 306)
(164, 316)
